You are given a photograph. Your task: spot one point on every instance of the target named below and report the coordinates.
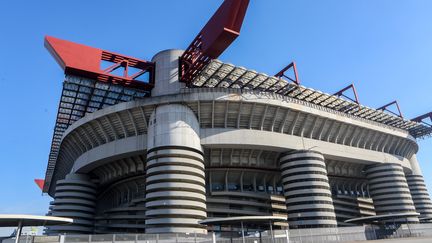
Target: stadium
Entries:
(187, 143)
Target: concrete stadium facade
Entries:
(163, 163)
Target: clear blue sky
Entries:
(384, 46)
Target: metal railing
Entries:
(314, 235)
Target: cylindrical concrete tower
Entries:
(419, 193)
(175, 178)
(175, 198)
(167, 74)
(74, 198)
(389, 191)
(307, 190)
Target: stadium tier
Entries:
(160, 146)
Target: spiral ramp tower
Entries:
(420, 195)
(75, 198)
(389, 190)
(175, 177)
(307, 190)
(419, 192)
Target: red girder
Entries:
(342, 91)
(216, 36)
(85, 61)
(384, 108)
(40, 183)
(282, 72)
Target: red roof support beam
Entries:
(421, 119)
(282, 73)
(385, 108)
(40, 183)
(349, 87)
(216, 36)
(85, 61)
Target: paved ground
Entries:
(402, 240)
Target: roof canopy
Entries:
(12, 220)
(223, 75)
(81, 96)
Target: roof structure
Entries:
(81, 96)
(225, 75)
(89, 86)
(216, 36)
(101, 65)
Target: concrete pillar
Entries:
(175, 178)
(389, 191)
(419, 193)
(167, 74)
(74, 198)
(307, 190)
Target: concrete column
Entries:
(389, 191)
(167, 74)
(307, 190)
(175, 191)
(74, 198)
(419, 193)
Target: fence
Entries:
(140, 238)
(316, 235)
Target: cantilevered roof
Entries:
(79, 97)
(225, 75)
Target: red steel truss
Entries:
(216, 36)
(395, 103)
(282, 73)
(341, 93)
(85, 61)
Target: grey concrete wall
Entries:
(166, 75)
